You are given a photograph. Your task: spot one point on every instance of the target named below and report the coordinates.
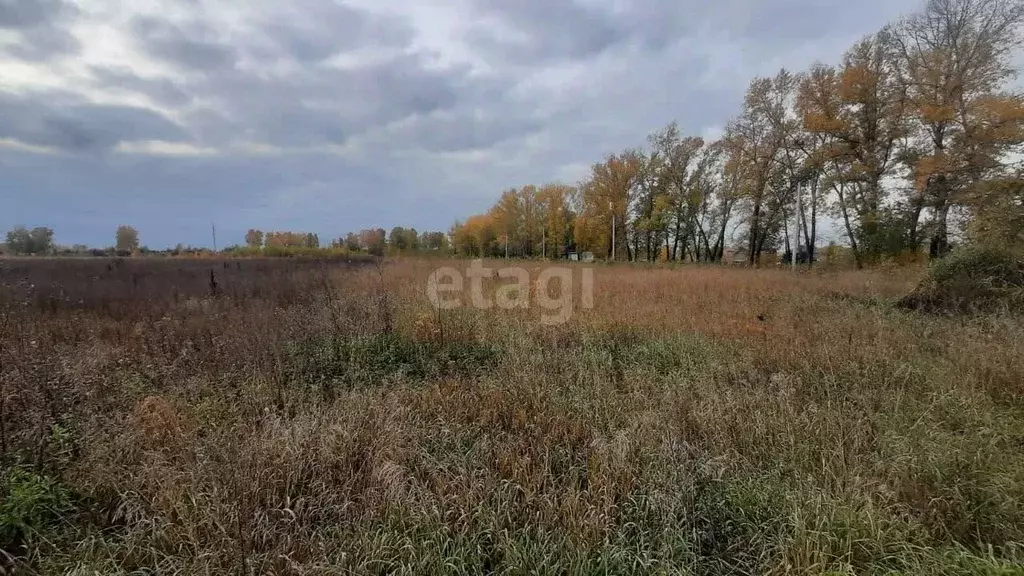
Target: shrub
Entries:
(30, 503)
(973, 279)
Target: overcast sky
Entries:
(328, 116)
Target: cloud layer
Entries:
(326, 116)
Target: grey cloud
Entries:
(311, 105)
(43, 43)
(765, 24)
(162, 90)
(318, 30)
(325, 105)
(298, 126)
(21, 14)
(40, 26)
(794, 22)
(464, 130)
(570, 29)
(53, 121)
(194, 48)
(554, 29)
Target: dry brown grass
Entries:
(322, 420)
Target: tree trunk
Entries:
(808, 234)
(785, 233)
(939, 245)
(913, 221)
(939, 187)
(753, 256)
(675, 241)
(707, 245)
(720, 243)
(849, 228)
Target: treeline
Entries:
(373, 241)
(913, 140)
(39, 241)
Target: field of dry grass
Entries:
(289, 418)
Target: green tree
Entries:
(352, 242)
(254, 238)
(21, 240)
(434, 241)
(398, 240)
(42, 240)
(412, 239)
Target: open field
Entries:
(317, 418)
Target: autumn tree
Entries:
(606, 199)
(998, 206)
(821, 110)
(284, 240)
(955, 60)
(555, 217)
(755, 141)
(507, 219)
(475, 237)
(254, 238)
(126, 239)
(677, 193)
(854, 120)
(874, 125)
(373, 240)
(531, 222)
(713, 203)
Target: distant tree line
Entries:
(39, 241)
(374, 241)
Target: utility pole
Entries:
(214, 227)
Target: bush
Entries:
(29, 503)
(971, 280)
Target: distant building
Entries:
(581, 256)
(734, 256)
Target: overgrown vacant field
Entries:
(324, 419)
